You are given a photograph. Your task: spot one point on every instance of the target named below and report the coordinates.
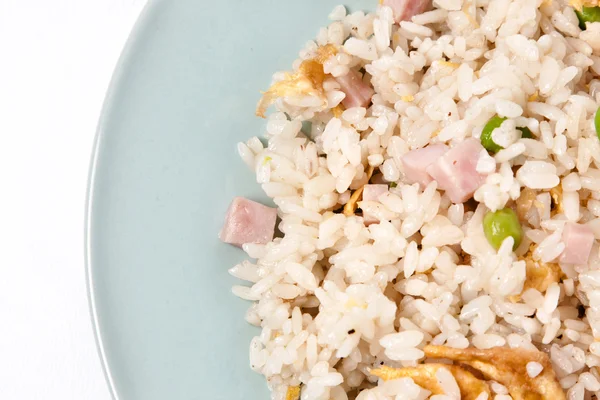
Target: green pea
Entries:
(525, 132)
(597, 122)
(588, 14)
(486, 134)
(501, 224)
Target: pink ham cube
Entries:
(358, 93)
(456, 173)
(404, 10)
(372, 193)
(578, 240)
(248, 222)
(416, 162)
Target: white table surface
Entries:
(56, 60)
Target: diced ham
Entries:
(456, 173)
(416, 162)
(404, 10)
(248, 222)
(578, 240)
(372, 192)
(358, 93)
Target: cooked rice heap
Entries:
(402, 296)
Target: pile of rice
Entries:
(336, 298)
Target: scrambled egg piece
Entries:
(556, 194)
(351, 205)
(337, 110)
(539, 274)
(424, 375)
(308, 80)
(293, 393)
(407, 98)
(525, 201)
(508, 367)
(443, 63)
(578, 4)
(323, 53)
(534, 97)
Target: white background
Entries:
(56, 60)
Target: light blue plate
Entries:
(164, 170)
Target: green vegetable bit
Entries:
(588, 14)
(501, 224)
(597, 122)
(525, 132)
(486, 134)
(393, 184)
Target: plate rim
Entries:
(107, 106)
(117, 80)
